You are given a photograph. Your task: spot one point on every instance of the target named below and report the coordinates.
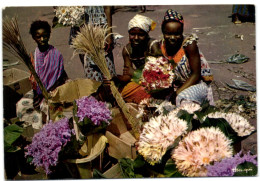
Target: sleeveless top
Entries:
(182, 69)
(140, 60)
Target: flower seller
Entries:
(48, 64)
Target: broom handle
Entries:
(38, 80)
(120, 101)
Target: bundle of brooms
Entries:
(12, 42)
(91, 41)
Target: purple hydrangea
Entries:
(47, 144)
(226, 166)
(96, 111)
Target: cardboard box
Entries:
(121, 147)
(16, 84)
(114, 172)
(17, 80)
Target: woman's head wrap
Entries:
(142, 22)
(173, 15)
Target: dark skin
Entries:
(41, 37)
(139, 40)
(109, 40)
(173, 36)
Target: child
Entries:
(191, 68)
(48, 64)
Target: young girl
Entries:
(191, 68)
(134, 53)
(48, 64)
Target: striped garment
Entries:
(48, 66)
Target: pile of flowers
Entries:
(157, 74)
(70, 15)
(200, 138)
(57, 140)
(47, 144)
(96, 111)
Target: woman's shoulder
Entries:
(190, 39)
(53, 49)
(154, 47)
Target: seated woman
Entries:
(48, 64)
(192, 71)
(134, 53)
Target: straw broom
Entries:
(12, 42)
(90, 41)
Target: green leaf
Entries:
(182, 114)
(97, 174)
(206, 109)
(29, 159)
(137, 74)
(246, 169)
(170, 169)
(224, 126)
(55, 23)
(11, 134)
(127, 167)
(139, 162)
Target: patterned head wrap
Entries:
(142, 22)
(173, 15)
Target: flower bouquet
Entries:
(68, 16)
(193, 141)
(46, 146)
(71, 141)
(91, 115)
(157, 74)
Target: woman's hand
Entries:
(128, 71)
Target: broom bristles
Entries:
(12, 42)
(91, 41)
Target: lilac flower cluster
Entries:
(96, 111)
(226, 167)
(47, 144)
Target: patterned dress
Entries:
(196, 93)
(94, 15)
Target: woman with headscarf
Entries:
(193, 74)
(134, 53)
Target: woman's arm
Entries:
(128, 68)
(109, 40)
(192, 53)
(155, 49)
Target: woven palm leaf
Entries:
(12, 42)
(91, 41)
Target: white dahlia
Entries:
(157, 135)
(237, 122)
(199, 148)
(190, 107)
(69, 15)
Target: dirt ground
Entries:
(219, 39)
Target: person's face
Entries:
(172, 33)
(41, 37)
(137, 37)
